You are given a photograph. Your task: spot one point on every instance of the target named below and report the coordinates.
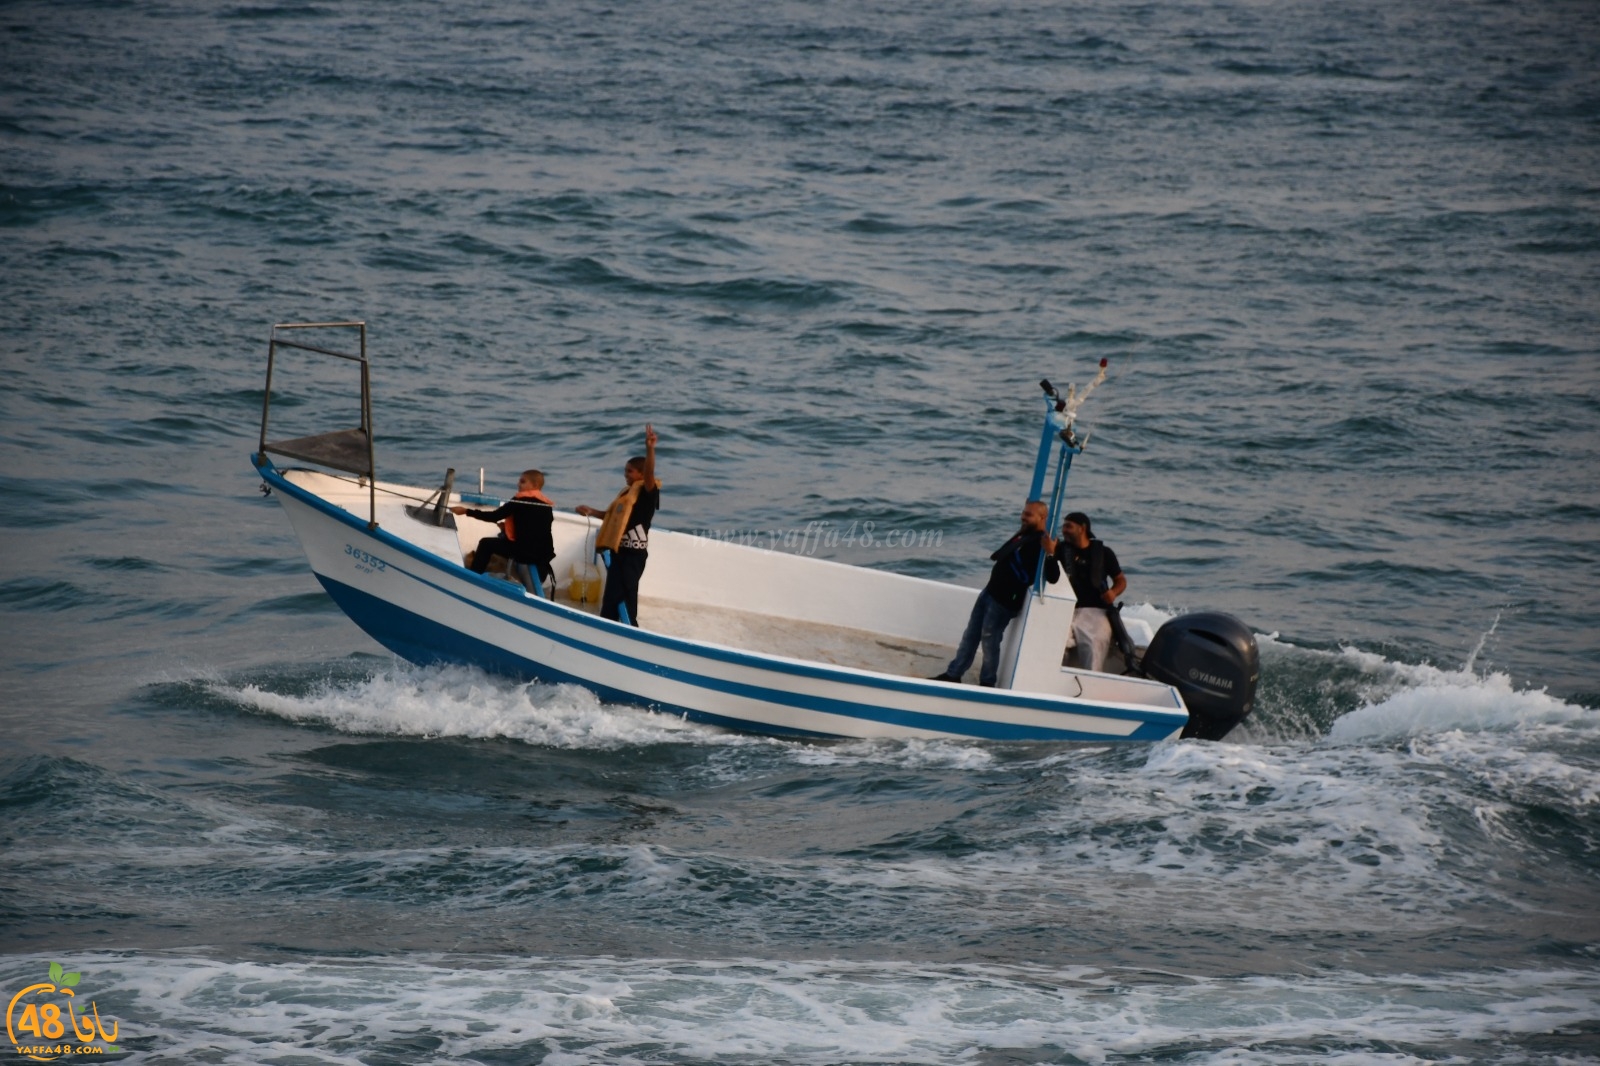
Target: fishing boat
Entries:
(732, 635)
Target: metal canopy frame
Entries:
(349, 450)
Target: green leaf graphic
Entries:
(55, 971)
(70, 979)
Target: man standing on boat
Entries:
(1015, 564)
(624, 537)
(1097, 580)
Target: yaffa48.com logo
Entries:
(42, 1019)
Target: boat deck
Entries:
(792, 638)
(811, 641)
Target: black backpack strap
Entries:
(1097, 566)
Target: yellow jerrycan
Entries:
(583, 587)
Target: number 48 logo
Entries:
(36, 1012)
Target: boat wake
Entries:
(1423, 699)
(458, 701)
(1353, 696)
(1343, 697)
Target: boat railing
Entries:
(348, 450)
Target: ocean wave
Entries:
(43, 594)
(1410, 700)
(1351, 696)
(1242, 830)
(446, 1009)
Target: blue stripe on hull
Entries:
(427, 642)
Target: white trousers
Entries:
(1091, 635)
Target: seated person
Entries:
(1097, 581)
(525, 536)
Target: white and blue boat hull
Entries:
(412, 595)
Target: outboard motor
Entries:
(1212, 660)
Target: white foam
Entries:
(911, 754)
(1400, 700)
(462, 702)
(1410, 700)
(1149, 614)
(438, 1009)
(1246, 835)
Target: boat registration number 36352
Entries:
(366, 562)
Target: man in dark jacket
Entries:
(1015, 564)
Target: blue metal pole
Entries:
(1060, 493)
(1057, 494)
(1052, 425)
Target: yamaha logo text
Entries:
(1210, 679)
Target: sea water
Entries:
(1343, 262)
